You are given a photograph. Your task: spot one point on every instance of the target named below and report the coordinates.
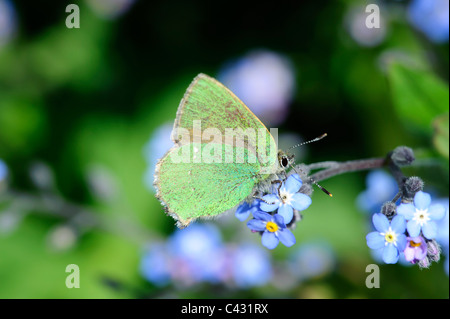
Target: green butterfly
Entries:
(207, 172)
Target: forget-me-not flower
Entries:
(421, 215)
(416, 249)
(287, 199)
(273, 228)
(250, 266)
(244, 210)
(389, 236)
(198, 248)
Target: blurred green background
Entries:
(80, 108)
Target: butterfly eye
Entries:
(284, 161)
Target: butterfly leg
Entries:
(256, 196)
(279, 186)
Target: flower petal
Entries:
(262, 216)
(300, 201)
(413, 228)
(390, 254)
(256, 224)
(287, 212)
(243, 211)
(401, 242)
(293, 183)
(279, 220)
(406, 210)
(286, 237)
(380, 222)
(422, 200)
(375, 240)
(436, 211)
(429, 230)
(410, 253)
(398, 224)
(270, 203)
(421, 251)
(269, 240)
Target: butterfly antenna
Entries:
(320, 187)
(307, 142)
(309, 177)
(313, 181)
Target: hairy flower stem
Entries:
(346, 167)
(401, 156)
(395, 171)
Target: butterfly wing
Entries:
(215, 106)
(191, 189)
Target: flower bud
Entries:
(402, 155)
(424, 263)
(388, 209)
(433, 251)
(412, 185)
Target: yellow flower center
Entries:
(390, 236)
(272, 227)
(413, 243)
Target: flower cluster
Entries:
(410, 229)
(197, 254)
(275, 214)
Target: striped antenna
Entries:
(310, 141)
(310, 178)
(313, 181)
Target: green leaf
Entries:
(418, 96)
(22, 124)
(441, 133)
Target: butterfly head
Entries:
(285, 159)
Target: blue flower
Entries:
(250, 266)
(443, 225)
(199, 248)
(389, 236)
(8, 22)
(312, 260)
(273, 228)
(244, 210)
(421, 215)
(155, 264)
(287, 199)
(3, 170)
(381, 187)
(431, 17)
